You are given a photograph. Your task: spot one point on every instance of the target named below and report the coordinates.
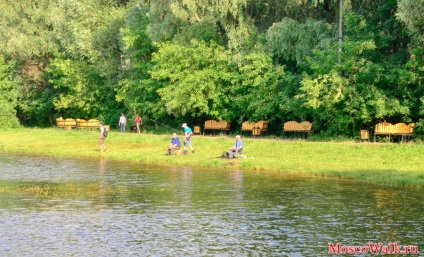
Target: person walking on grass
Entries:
(187, 138)
(122, 122)
(103, 135)
(138, 122)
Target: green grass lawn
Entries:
(389, 163)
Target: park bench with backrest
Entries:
(398, 129)
(66, 123)
(303, 127)
(70, 123)
(222, 126)
(257, 128)
(88, 124)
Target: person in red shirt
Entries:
(138, 122)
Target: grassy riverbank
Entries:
(392, 164)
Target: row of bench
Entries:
(403, 130)
(260, 127)
(257, 128)
(70, 123)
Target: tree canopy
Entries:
(189, 61)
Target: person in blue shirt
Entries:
(175, 144)
(187, 138)
(237, 148)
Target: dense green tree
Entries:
(79, 87)
(291, 42)
(26, 31)
(225, 59)
(411, 13)
(8, 96)
(411, 75)
(38, 32)
(198, 79)
(349, 95)
(261, 90)
(28, 40)
(136, 89)
(171, 19)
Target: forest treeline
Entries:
(175, 61)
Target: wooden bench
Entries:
(66, 123)
(398, 129)
(88, 124)
(293, 126)
(257, 128)
(222, 125)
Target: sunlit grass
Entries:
(391, 164)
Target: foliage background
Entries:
(189, 61)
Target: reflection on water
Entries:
(61, 207)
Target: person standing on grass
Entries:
(187, 138)
(122, 122)
(102, 138)
(138, 122)
(175, 144)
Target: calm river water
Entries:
(68, 207)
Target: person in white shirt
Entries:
(122, 122)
